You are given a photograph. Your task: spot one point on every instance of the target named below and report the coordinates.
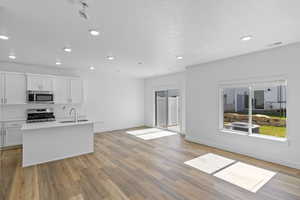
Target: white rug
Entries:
(150, 136)
(209, 163)
(246, 176)
(143, 131)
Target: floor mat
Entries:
(143, 131)
(209, 163)
(150, 136)
(246, 176)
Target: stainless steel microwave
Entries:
(40, 97)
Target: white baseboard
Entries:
(103, 130)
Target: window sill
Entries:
(264, 137)
(233, 132)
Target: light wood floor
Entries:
(125, 167)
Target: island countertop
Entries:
(43, 125)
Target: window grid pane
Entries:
(272, 118)
(236, 109)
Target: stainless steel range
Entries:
(40, 115)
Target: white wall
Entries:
(202, 116)
(114, 101)
(172, 81)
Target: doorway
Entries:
(167, 110)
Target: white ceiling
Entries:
(153, 32)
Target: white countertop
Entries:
(42, 125)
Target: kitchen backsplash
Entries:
(18, 112)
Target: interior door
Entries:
(174, 116)
(161, 109)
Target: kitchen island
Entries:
(49, 141)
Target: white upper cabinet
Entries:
(61, 90)
(15, 88)
(76, 91)
(12, 88)
(39, 82)
(47, 84)
(34, 82)
(67, 90)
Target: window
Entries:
(256, 108)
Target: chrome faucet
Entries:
(75, 114)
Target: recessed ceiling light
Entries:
(94, 32)
(58, 63)
(12, 57)
(179, 57)
(110, 58)
(4, 37)
(246, 38)
(92, 68)
(67, 49)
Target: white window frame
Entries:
(251, 86)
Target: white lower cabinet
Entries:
(11, 134)
(1, 136)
